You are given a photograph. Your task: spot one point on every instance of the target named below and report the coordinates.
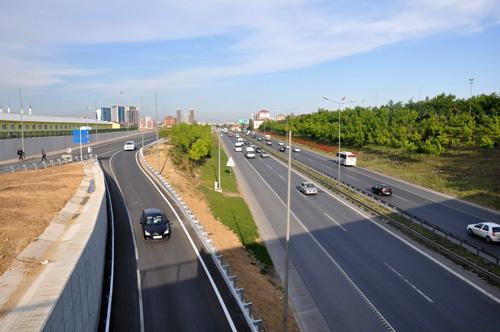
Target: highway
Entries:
(160, 285)
(361, 275)
(450, 214)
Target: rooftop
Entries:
(44, 118)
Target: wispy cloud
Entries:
(268, 36)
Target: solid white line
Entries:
(365, 299)
(409, 283)
(139, 282)
(202, 262)
(328, 216)
(401, 198)
(111, 283)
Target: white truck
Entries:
(267, 137)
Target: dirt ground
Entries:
(263, 290)
(28, 201)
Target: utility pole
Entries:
(471, 81)
(22, 124)
(156, 128)
(220, 180)
(287, 243)
(142, 110)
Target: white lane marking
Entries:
(202, 262)
(269, 167)
(335, 221)
(401, 198)
(139, 286)
(364, 298)
(409, 283)
(397, 236)
(281, 177)
(112, 277)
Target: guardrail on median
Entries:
(312, 172)
(224, 269)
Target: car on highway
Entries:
(259, 139)
(269, 143)
(282, 149)
(264, 155)
(129, 146)
(237, 136)
(487, 230)
(155, 225)
(296, 149)
(250, 152)
(281, 143)
(308, 188)
(382, 189)
(258, 150)
(238, 148)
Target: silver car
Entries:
(308, 188)
(487, 230)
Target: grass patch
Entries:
(231, 210)
(210, 169)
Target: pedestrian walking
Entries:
(44, 155)
(20, 153)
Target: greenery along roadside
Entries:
(431, 126)
(229, 208)
(195, 147)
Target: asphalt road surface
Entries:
(448, 213)
(166, 288)
(363, 276)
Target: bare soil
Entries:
(28, 202)
(263, 290)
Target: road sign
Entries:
(230, 162)
(84, 136)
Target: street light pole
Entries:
(22, 124)
(340, 104)
(287, 237)
(471, 81)
(220, 180)
(156, 129)
(142, 110)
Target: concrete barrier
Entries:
(55, 284)
(33, 146)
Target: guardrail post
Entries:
(26, 167)
(44, 164)
(12, 169)
(52, 162)
(258, 324)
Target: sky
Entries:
(228, 59)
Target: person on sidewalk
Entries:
(20, 153)
(44, 155)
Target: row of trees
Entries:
(430, 126)
(191, 143)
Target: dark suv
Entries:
(155, 225)
(382, 190)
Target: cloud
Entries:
(268, 36)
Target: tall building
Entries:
(104, 113)
(260, 117)
(169, 121)
(118, 113)
(191, 116)
(132, 116)
(178, 115)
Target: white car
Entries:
(308, 188)
(296, 149)
(238, 144)
(250, 155)
(238, 148)
(129, 146)
(487, 230)
(281, 143)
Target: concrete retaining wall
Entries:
(33, 146)
(62, 291)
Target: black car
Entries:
(258, 150)
(282, 149)
(247, 143)
(155, 225)
(382, 190)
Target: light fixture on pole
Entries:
(340, 104)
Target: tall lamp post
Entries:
(340, 104)
(156, 129)
(471, 82)
(22, 123)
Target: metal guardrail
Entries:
(312, 172)
(224, 269)
(43, 164)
